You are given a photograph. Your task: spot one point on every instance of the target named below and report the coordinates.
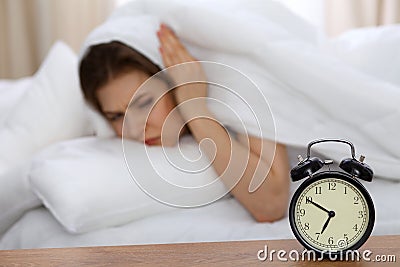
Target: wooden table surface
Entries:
(239, 253)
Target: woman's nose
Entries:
(133, 128)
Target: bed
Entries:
(58, 157)
(224, 220)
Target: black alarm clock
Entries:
(331, 211)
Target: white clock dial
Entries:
(331, 214)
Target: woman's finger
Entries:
(168, 50)
(172, 49)
(165, 50)
(173, 42)
(170, 36)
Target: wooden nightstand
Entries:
(240, 253)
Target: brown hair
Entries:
(106, 61)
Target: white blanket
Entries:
(311, 94)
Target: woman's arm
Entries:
(246, 157)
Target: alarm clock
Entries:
(331, 211)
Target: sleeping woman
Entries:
(111, 73)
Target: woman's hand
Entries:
(174, 53)
(232, 157)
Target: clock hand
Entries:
(325, 225)
(331, 214)
(319, 206)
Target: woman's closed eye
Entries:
(145, 102)
(115, 116)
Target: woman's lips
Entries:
(152, 141)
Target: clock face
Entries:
(332, 213)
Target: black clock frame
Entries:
(337, 175)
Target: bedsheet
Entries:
(224, 220)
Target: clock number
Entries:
(361, 214)
(345, 190)
(330, 240)
(356, 200)
(355, 227)
(345, 237)
(331, 186)
(318, 234)
(307, 226)
(318, 190)
(308, 200)
(302, 212)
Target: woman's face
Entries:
(145, 115)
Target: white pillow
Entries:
(10, 93)
(52, 109)
(101, 127)
(15, 195)
(86, 185)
